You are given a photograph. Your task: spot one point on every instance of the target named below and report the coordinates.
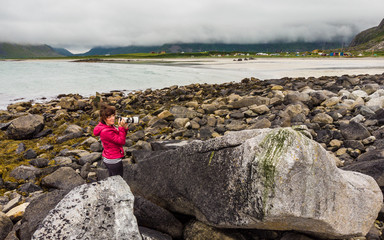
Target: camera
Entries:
(129, 119)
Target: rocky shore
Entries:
(46, 150)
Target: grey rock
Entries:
(373, 168)
(4, 126)
(354, 144)
(354, 131)
(317, 97)
(199, 230)
(260, 179)
(90, 158)
(39, 162)
(102, 210)
(152, 216)
(88, 141)
(69, 136)
(150, 234)
(6, 226)
(139, 135)
(322, 118)
(63, 178)
(71, 103)
(249, 101)
(371, 155)
(143, 145)
(220, 128)
(182, 112)
(96, 147)
(85, 170)
(167, 145)
(62, 160)
(29, 188)
(237, 115)
(235, 125)
(206, 132)
(259, 109)
(29, 154)
(20, 148)
(295, 236)
(37, 210)
(43, 133)
(24, 172)
(10, 185)
(370, 88)
(211, 121)
(157, 122)
(46, 147)
(209, 108)
(12, 236)
(12, 203)
(74, 153)
(25, 127)
(296, 97)
(180, 122)
(366, 111)
(141, 155)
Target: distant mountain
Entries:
(11, 50)
(371, 39)
(220, 47)
(63, 51)
(119, 50)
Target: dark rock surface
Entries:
(25, 127)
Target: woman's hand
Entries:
(123, 124)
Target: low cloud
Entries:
(87, 23)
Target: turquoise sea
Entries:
(43, 80)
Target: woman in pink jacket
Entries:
(112, 139)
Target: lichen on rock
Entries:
(274, 145)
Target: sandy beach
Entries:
(268, 68)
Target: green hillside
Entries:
(219, 47)
(11, 50)
(371, 39)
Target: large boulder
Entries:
(275, 179)
(152, 216)
(37, 210)
(63, 178)
(101, 210)
(373, 168)
(6, 225)
(72, 131)
(25, 127)
(25, 172)
(354, 131)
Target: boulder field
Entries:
(275, 159)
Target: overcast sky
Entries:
(79, 25)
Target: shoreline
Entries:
(260, 68)
(342, 114)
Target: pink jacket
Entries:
(112, 139)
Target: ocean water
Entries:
(34, 80)
(39, 80)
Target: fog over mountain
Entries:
(80, 25)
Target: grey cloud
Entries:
(87, 23)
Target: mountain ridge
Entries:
(219, 47)
(371, 39)
(13, 50)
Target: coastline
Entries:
(260, 68)
(342, 114)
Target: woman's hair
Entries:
(106, 111)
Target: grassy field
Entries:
(233, 55)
